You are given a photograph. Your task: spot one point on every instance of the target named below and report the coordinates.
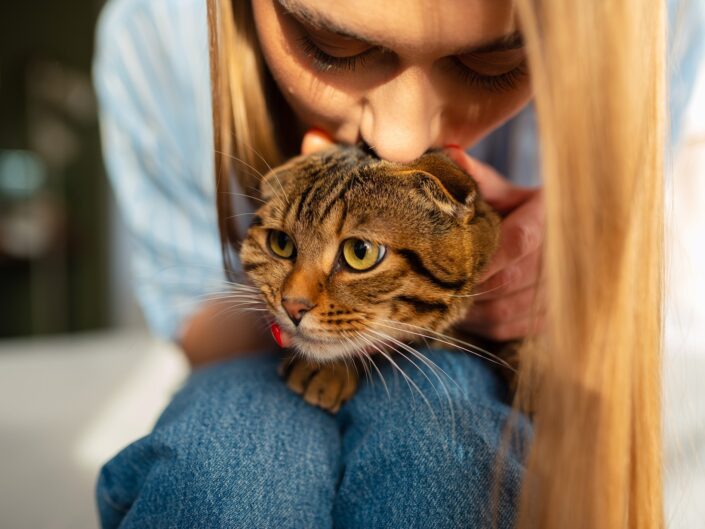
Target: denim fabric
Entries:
(236, 448)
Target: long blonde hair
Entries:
(594, 375)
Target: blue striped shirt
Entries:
(152, 78)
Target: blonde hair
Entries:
(594, 375)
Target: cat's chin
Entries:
(327, 350)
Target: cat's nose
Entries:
(296, 308)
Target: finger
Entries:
(513, 278)
(495, 189)
(521, 235)
(507, 309)
(315, 140)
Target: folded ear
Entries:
(458, 185)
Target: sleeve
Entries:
(686, 53)
(152, 80)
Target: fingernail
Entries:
(276, 334)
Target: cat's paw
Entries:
(327, 385)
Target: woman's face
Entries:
(402, 75)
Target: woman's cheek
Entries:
(477, 112)
(316, 103)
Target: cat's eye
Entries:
(281, 244)
(362, 255)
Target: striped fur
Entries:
(437, 231)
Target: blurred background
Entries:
(80, 376)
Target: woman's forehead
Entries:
(428, 26)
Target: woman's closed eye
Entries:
(499, 71)
(325, 59)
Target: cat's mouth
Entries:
(324, 347)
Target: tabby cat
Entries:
(353, 254)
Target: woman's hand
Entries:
(509, 302)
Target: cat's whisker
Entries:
(449, 340)
(426, 362)
(352, 361)
(240, 285)
(364, 358)
(347, 368)
(475, 294)
(259, 156)
(239, 215)
(234, 308)
(407, 378)
(258, 174)
(243, 195)
(386, 337)
(358, 352)
(229, 300)
(230, 295)
(243, 162)
(381, 376)
(270, 170)
(435, 368)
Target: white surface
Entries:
(684, 360)
(67, 405)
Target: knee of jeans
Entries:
(234, 434)
(445, 452)
(452, 415)
(242, 406)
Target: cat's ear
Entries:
(458, 186)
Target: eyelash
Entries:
(326, 63)
(496, 83)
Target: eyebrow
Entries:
(510, 41)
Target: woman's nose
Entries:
(401, 118)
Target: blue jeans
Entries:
(237, 448)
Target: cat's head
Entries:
(348, 249)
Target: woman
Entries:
(235, 448)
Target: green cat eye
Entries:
(281, 244)
(362, 255)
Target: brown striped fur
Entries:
(438, 232)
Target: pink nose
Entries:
(296, 308)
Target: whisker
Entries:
(381, 376)
(230, 295)
(243, 195)
(359, 352)
(453, 342)
(270, 170)
(258, 174)
(408, 379)
(239, 215)
(475, 294)
(385, 336)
